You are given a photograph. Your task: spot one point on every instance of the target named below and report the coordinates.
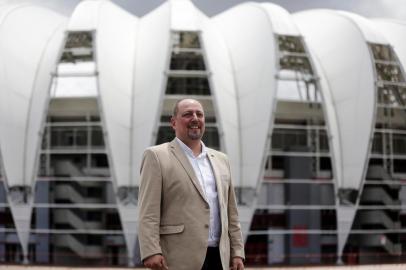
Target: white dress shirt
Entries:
(204, 172)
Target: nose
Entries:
(194, 116)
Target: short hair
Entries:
(176, 107)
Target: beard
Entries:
(195, 134)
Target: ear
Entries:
(173, 123)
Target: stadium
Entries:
(310, 108)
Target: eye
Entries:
(187, 114)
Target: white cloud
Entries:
(369, 8)
(396, 7)
(378, 8)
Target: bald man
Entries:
(187, 209)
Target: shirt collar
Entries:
(189, 151)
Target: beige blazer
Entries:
(174, 215)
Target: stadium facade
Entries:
(310, 107)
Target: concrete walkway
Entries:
(363, 267)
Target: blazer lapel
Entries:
(184, 161)
(216, 172)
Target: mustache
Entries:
(194, 125)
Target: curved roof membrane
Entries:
(132, 63)
(254, 69)
(341, 49)
(27, 51)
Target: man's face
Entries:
(188, 123)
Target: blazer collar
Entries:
(189, 152)
(181, 157)
(217, 176)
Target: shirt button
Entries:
(206, 226)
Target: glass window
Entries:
(6, 218)
(3, 194)
(278, 162)
(94, 215)
(78, 47)
(382, 52)
(377, 143)
(389, 73)
(306, 193)
(298, 63)
(99, 161)
(290, 44)
(325, 165)
(62, 137)
(68, 136)
(66, 119)
(95, 192)
(12, 251)
(399, 166)
(399, 144)
(97, 136)
(323, 141)
(288, 139)
(392, 95)
(189, 40)
(299, 140)
(80, 39)
(256, 250)
(383, 115)
(165, 134)
(211, 138)
(187, 86)
(187, 61)
(113, 221)
(386, 96)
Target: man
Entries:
(187, 211)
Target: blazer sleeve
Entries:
(149, 204)
(234, 228)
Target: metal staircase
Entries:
(378, 217)
(69, 191)
(74, 218)
(378, 195)
(86, 251)
(381, 241)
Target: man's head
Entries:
(188, 120)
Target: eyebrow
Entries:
(189, 111)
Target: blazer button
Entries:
(206, 226)
(207, 207)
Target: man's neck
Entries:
(194, 145)
(196, 148)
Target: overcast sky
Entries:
(370, 8)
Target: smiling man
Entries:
(187, 210)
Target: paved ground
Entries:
(364, 267)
